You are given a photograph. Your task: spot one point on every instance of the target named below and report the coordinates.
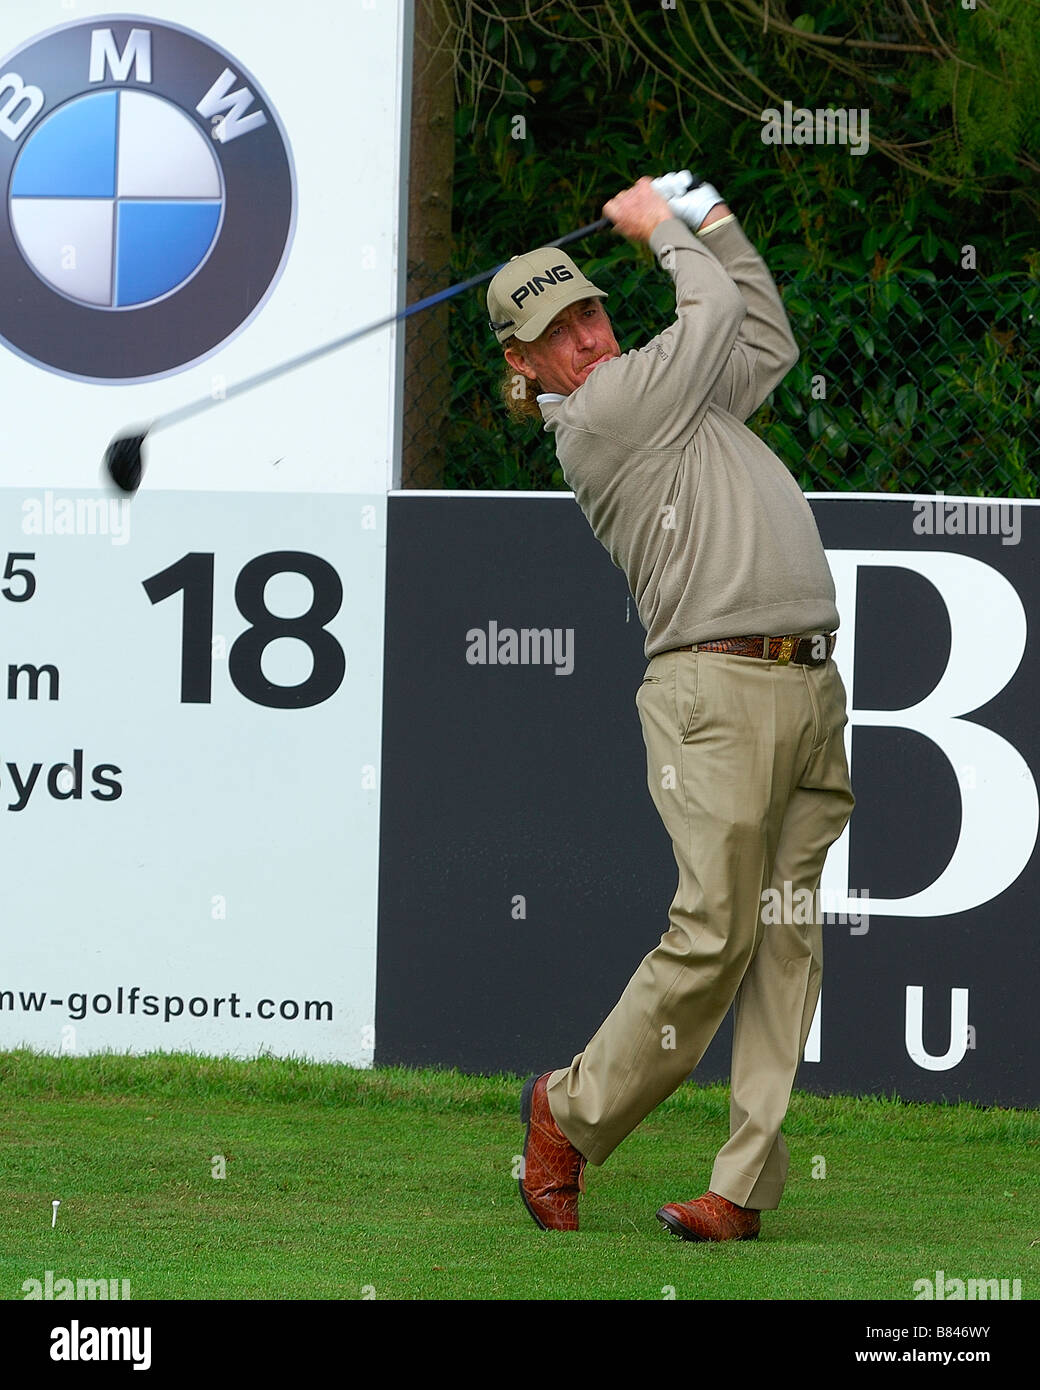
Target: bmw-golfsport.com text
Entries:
(167, 1007)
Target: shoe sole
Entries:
(525, 1118)
(673, 1224)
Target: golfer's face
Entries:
(577, 340)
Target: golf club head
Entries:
(124, 462)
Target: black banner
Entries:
(525, 872)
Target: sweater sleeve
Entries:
(764, 350)
(656, 397)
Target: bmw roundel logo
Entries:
(149, 199)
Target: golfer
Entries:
(741, 706)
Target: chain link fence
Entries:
(905, 384)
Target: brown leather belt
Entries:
(798, 651)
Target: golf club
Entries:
(124, 460)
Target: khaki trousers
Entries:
(746, 766)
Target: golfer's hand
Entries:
(637, 211)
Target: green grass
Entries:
(398, 1184)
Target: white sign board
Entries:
(191, 681)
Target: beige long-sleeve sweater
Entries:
(710, 528)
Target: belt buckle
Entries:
(787, 647)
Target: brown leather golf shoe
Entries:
(552, 1175)
(710, 1217)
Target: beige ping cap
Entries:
(527, 293)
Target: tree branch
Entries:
(831, 40)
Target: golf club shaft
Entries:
(185, 412)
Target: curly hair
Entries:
(518, 392)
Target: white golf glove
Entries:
(672, 185)
(689, 200)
